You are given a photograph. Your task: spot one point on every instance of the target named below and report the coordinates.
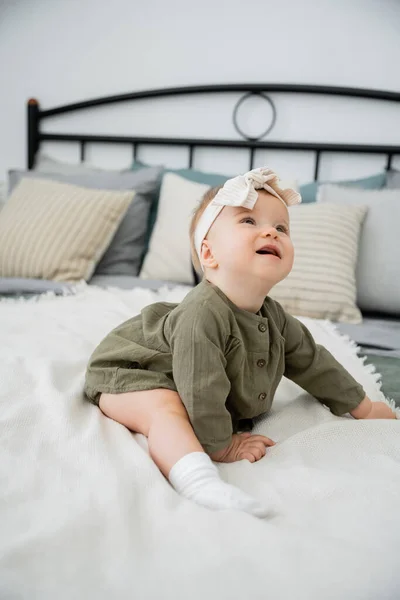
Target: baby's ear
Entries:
(207, 257)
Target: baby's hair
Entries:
(198, 211)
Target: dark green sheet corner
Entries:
(389, 369)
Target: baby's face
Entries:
(254, 242)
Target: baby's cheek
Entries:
(232, 247)
(290, 255)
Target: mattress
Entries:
(86, 514)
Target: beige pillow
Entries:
(51, 230)
(322, 283)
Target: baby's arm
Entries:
(372, 410)
(315, 369)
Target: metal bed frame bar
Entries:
(36, 116)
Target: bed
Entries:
(84, 511)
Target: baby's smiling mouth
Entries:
(269, 249)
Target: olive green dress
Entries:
(224, 362)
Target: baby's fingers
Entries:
(247, 456)
(261, 438)
(258, 450)
(255, 450)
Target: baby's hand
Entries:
(380, 410)
(244, 446)
(372, 410)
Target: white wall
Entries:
(62, 51)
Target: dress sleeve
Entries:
(314, 368)
(198, 363)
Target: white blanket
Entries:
(85, 513)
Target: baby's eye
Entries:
(248, 220)
(282, 228)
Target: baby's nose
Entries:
(270, 232)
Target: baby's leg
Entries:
(160, 416)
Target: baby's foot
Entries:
(195, 477)
(219, 495)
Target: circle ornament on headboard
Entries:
(240, 103)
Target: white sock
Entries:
(195, 477)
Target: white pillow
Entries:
(169, 257)
(322, 282)
(378, 265)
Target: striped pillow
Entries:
(51, 230)
(322, 283)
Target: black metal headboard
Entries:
(36, 116)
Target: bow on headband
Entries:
(241, 191)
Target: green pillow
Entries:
(211, 179)
(375, 182)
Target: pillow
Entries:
(57, 231)
(309, 191)
(377, 274)
(128, 247)
(322, 284)
(46, 164)
(210, 179)
(169, 257)
(393, 179)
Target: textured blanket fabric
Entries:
(84, 512)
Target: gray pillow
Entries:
(393, 180)
(125, 253)
(377, 273)
(46, 164)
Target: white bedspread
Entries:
(84, 512)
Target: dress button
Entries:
(262, 396)
(261, 363)
(262, 327)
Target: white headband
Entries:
(241, 191)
